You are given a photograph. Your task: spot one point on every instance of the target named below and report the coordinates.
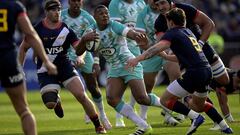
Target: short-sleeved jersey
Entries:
(190, 11)
(9, 11)
(78, 25)
(185, 46)
(113, 44)
(145, 22)
(126, 14)
(56, 43)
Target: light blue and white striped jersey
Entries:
(126, 13)
(145, 22)
(78, 25)
(113, 44)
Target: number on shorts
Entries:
(3, 20)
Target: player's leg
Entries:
(190, 80)
(170, 100)
(13, 81)
(222, 100)
(149, 80)
(209, 109)
(19, 100)
(115, 89)
(223, 103)
(50, 88)
(93, 88)
(75, 86)
(217, 66)
(70, 80)
(150, 74)
(135, 50)
(172, 69)
(151, 67)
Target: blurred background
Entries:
(225, 38)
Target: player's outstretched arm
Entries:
(22, 52)
(140, 38)
(33, 40)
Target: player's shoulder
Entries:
(13, 5)
(86, 14)
(38, 25)
(146, 9)
(64, 25)
(184, 6)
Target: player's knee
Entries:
(223, 79)
(25, 114)
(50, 99)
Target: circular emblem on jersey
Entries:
(107, 51)
(92, 45)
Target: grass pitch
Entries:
(73, 122)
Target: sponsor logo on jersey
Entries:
(107, 51)
(54, 50)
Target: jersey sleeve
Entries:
(168, 36)
(119, 28)
(140, 24)
(113, 10)
(72, 37)
(20, 9)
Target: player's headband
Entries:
(51, 4)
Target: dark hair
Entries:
(99, 7)
(177, 15)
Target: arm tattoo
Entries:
(151, 52)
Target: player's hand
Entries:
(96, 69)
(142, 41)
(52, 69)
(90, 36)
(79, 62)
(131, 63)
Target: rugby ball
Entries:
(92, 46)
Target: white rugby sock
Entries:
(119, 116)
(223, 124)
(132, 101)
(127, 111)
(99, 103)
(143, 110)
(229, 117)
(192, 114)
